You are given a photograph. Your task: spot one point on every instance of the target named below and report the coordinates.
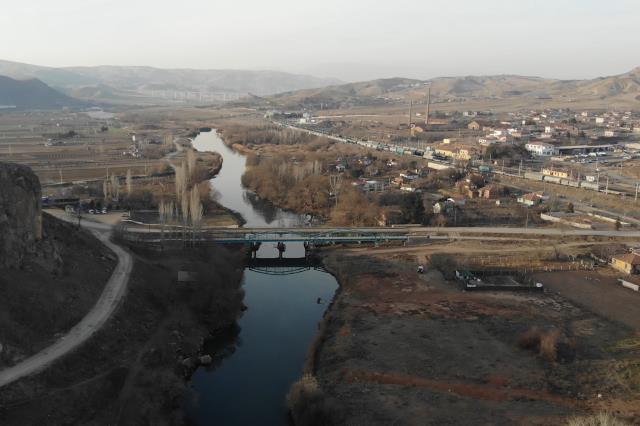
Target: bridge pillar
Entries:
(254, 247)
(281, 248)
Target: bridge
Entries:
(335, 235)
(253, 236)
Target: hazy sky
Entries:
(350, 40)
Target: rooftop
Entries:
(630, 258)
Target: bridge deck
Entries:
(152, 234)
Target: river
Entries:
(250, 385)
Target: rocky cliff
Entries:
(20, 213)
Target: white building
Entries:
(541, 149)
(487, 140)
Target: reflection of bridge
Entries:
(283, 266)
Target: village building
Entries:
(540, 149)
(629, 263)
(478, 125)
(563, 174)
(532, 198)
(490, 192)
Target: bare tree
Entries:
(335, 183)
(129, 182)
(195, 210)
(191, 163)
(184, 208)
(182, 181)
(115, 187)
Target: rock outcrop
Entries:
(20, 213)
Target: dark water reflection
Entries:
(255, 365)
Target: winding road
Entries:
(111, 296)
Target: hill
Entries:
(32, 94)
(153, 85)
(622, 90)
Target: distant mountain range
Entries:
(33, 94)
(140, 85)
(147, 85)
(622, 90)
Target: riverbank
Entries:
(397, 347)
(133, 371)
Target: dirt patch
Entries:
(402, 348)
(598, 291)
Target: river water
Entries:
(250, 385)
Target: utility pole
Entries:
(606, 191)
(426, 121)
(520, 168)
(636, 199)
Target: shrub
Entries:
(545, 343)
(549, 345)
(309, 406)
(530, 339)
(600, 419)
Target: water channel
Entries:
(250, 385)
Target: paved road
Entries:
(112, 295)
(295, 233)
(419, 231)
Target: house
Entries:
(458, 200)
(563, 174)
(530, 199)
(629, 263)
(418, 128)
(446, 205)
(477, 125)
(409, 175)
(456, 152)
(487, 140)
(490, 192)
(370, 185)
(540, 149)
(474, 125)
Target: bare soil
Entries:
(598, 291)
(402, 348)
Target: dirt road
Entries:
(112, 295)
